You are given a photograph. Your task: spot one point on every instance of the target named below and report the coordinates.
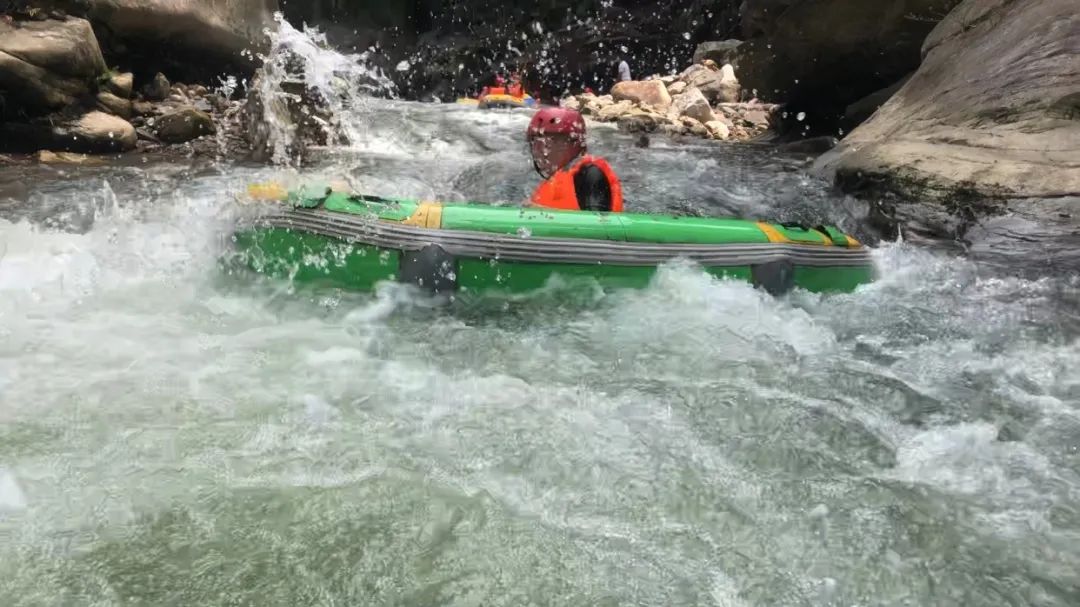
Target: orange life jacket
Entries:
(557, 192)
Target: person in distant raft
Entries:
(573, 180)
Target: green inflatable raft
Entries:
(357, 241)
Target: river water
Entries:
(172, 434)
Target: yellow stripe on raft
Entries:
(772, 233)
(777, 237)
(267, 191)
(427, 215)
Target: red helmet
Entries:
(557, 121)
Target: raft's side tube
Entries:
(549, 223)
(406, 236)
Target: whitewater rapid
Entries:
(173, 433)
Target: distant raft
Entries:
(505, 101)
(357, 241)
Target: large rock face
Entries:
(994, 110)
(819, 56)
(192, 36)
(46, 65)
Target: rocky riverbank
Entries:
(702, 101)
(70, 83)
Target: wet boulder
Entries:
(48, 65)
(647, 92)
(183, 125)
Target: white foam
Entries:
(12, 498)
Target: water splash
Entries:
(306, 92)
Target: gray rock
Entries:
(647, 92)
(143, 108)
(758, 118)
(97, 132)
(121, 85)
(813, 145)
(724, 51)
(718, 130)
(157, 89)
(47, 65)
(858, 112)
(693, 104)
(107, 102)
(92, 133)
(183, 125)
(216, 32)
(982, 118)
(712, 84)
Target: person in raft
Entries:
(573, 180)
